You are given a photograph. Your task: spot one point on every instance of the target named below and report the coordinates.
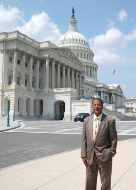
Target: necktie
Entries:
(96, 128)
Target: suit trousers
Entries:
(105, 170)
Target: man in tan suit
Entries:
(99, 142)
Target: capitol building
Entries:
(41, 79)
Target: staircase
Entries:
(118, 116)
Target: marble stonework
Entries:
(44, 79)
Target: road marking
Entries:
(71, 129)
(125, 132)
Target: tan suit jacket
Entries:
(106, 140)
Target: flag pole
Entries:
(114, 76)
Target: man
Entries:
(99, 141)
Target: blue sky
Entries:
(109, 26)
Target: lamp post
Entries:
(14, 113)
(8, 112)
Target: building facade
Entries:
(110, 94)
(44, 79)
(130, 104)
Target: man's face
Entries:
(97, 107)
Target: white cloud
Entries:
(10, 18)
(41, 28)
(129, 37)
(105, 46)
(122, 15)
(110, 40)
(110, 23)
(106, 57)
(124, 86)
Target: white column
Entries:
(43, 77)
(80, 84)
(53, 74)
(30, 72)
(68, 74)
(102, 95)
(15, 67)
(85, 71)
(47, 72)
(23, 70)
(93, 73)
(72, 78)
(113, 98)
(58, 76)
(37, 74)
(6, 57)
(96, 73)
(77, 80)
(82, 79)
(89, 71)
(108, 98)
(64, 78)
(31, 107)
(24, 113)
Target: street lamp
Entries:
(14, 113)
(8, 112)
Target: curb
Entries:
(11, 128)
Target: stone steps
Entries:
(118, 116)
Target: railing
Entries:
(17, 34)
(82, 97)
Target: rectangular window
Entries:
(18, 61)
(77, 55)
(25, 64)
(18, 80)
(25, 82)
(9, 80)
(84, 55)
(33, 67)
(81, 55)
(10, 59)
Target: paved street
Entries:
(44, 138)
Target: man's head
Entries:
(97, 106)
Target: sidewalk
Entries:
(66, 171)
(13, 125)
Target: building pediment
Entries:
(68, 53)
(116, 87)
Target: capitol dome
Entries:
(79, 45)
(72, 36)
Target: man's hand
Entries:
(85, 160)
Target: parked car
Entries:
(81, 117)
